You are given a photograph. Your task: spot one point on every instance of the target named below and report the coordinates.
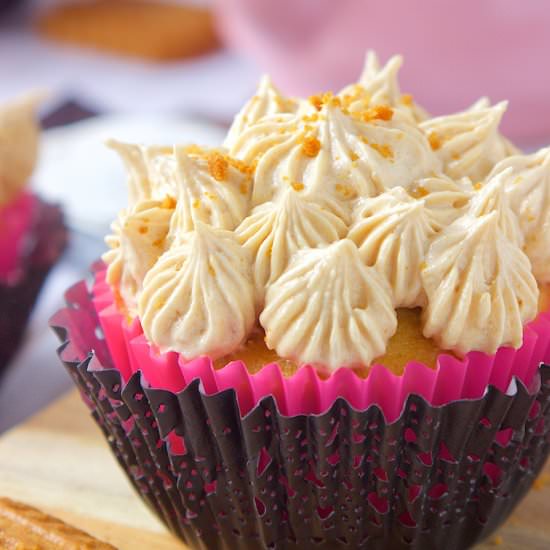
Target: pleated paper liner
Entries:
(226, 473)
(307, 393)
(44, 243)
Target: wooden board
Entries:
(41, 464)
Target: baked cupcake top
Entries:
(319, 217)
(19, 137)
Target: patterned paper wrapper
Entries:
(41, 244)
(230, 460)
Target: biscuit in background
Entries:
(24, 527)
(155, 31)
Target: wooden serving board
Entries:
(41, 463)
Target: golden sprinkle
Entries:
(143, 229)
(316, 101)
(328, 98)
(422, 266)
(385, 150)
(379, 112)
(168, 202)
(196, 203)
(419, 192)
(297, 186)
(407, 99)
(353, 156)
(347, 191)
(247, 169)
(159, 243)
(210, 196)
(218, 166)
(193, 150)
(497, 541)
(310, 118)
(455, 156)
(435, 141)
(243, 188)
(478, 185)
(211, 270)
(311, 146)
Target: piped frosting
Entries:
(329, 308)
(527, 182)
(268, 100)
(335, 153)
(199, 297)
(275, 231)
(468, 143)
(479, 286)
(320, 217)
(392, 232)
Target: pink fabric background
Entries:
(455, 51)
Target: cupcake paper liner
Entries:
(305, 392)
(44, 244)
(226, 473)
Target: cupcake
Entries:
(329, 332)
(32, 235)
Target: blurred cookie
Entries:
(149, 30)
(23, 526)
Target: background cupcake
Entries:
(329, 330)
(32, 235)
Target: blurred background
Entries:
(166, 71)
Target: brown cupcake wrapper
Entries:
(437, 477)
(46, 241)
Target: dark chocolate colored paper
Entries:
(46, 242)
(438, 477)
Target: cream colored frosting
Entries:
(267, 101)
(19, 140)
(469, 143)
(479, 286)
(335, 153)
(149, 171)
(199, 297)
(492, 197)
(138, 240)
(328, 308)
(320, 217)
(380, 85)
(445, 198)
(527, 181)
(392, 232)
(274, 231)
(208, 189)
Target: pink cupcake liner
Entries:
(437, 476)
(305, 392)
(15, 222)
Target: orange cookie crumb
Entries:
(311, 146)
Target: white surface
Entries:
(77, 170)
(216, 84)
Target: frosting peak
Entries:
(527, 182)
(334, 153)
(267, 101)
(211, 188)
(329, 309)
(479, 286)
(392, 232)
(468, 143)
(199, 298)
(274, 231)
